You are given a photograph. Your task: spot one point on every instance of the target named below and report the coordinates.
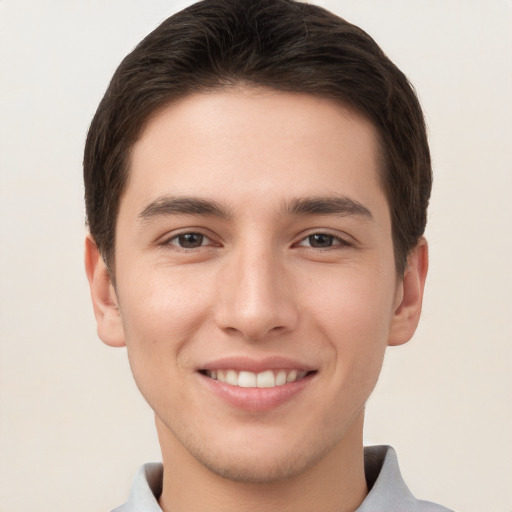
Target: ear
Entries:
(410, 296)
(103, 295)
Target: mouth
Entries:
(256, 384)
(270, 378)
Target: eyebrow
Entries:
(170, 205)
(338, 205)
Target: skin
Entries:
(255, 284)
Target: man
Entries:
(257, 177)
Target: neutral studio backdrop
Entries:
(73, 428)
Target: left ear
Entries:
(410, 295)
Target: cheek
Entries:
(159, 317)
(355, 303)
(353, 313)
(160, 313)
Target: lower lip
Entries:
(257, 399)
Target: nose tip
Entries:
(256, 301)
(256, 324)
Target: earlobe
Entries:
(103, 295)
(407, 313)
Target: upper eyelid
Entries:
(341, 242)
(166, 238)
(170, 242)
(206, 242)
(343, 237)
(175, 237)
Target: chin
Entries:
(256, 463)
(259, 471)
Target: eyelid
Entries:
(343, 239)
(166, 240)
(175, 241)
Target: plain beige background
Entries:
(73, 428)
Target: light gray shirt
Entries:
(388, 492)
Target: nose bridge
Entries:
(254, 297)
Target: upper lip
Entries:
(256, 365)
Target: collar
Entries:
(388, 491)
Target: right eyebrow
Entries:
(172, 205)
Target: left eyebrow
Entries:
(338, 205)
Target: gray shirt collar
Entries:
(388, 491)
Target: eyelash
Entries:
(337, 242)
(171, 241)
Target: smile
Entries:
(247, 379)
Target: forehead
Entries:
(257, 142)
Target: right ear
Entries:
(103, 295)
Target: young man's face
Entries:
(253, 247)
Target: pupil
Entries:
(321, 240)
(190, 240)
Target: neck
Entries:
(335, 483)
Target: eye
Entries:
(322, 241)
(189, 240)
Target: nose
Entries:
(256, 296)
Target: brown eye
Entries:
(324, 241)
(321, 240)
(189, 240)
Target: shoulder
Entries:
(387, 489)
(428, 506)
(145, 491)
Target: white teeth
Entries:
(291, 376)
(232, 378)
(280, 378)
(265, 379)
(247, 380)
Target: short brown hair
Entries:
(281, 44)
